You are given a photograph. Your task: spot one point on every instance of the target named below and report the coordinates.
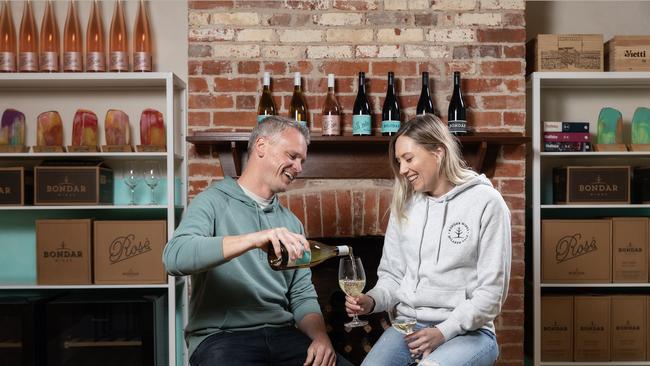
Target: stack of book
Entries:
(566, 136)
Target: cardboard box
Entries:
(591, 185)
(16, 186)
(628, 53)
(576, 251)
(557, 328)
(565, 52)
(63, 255)
(628, 324)
(630, 249)
(129, 251)
(69, 182)
(591, 316)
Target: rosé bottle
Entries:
(72, 51)
(7, 40)
(118, 49)
(28, 41)
(142, 41)
(95, 56)
(50, 47)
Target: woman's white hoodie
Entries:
(449, 262)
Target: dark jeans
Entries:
(285, 346)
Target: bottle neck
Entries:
(342, 250)
(362, 85)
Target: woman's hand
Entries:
(359, 305)
(424, 341)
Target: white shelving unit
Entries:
(579, 96)
(33, 94)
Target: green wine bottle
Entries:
(318, 254)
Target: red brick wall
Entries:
(231, 43)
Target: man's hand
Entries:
(424, 341)
(320, 353)
(359, 305)
(295, 244)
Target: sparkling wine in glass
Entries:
(151, 177)
(352, 280)
(131, 177)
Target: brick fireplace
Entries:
(231, 43)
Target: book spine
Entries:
(566, 136)
(552, 126)
(566, 146)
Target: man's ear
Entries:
(260, 147)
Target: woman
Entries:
(446, 256)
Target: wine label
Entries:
(262, 117)
(72, 61)
(119, 61)
(95, 61)
(28, 61)
(7, 61)
(49, 61)
(457, 126)
(142, 61)
(361, 125)
(303, 124)
(389, 126)
(302, 261)
(331, 125)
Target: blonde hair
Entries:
(431, 133)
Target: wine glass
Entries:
(403, 324)
(352, 280)
(131, 178)
(151, 176)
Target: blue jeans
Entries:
(285, 346)
(475, 348)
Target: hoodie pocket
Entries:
(439, 297)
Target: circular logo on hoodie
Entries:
(458, 232)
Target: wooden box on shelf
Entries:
(592, 328)
(565, 52)
(628, 53)
(63, 255)
(591, 185)
(68, 182)
(576, 251)
(557, 328)
(16, 186)
(129, 251)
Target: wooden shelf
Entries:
(352, 157)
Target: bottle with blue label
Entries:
(298, 108)
(266, 107)
(318, 253)
(390, 113)
(361, 117)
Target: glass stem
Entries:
(132, 196)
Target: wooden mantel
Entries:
(353, 157)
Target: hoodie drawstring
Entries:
(424, 225)
(442, 229)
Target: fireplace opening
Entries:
(353, 343)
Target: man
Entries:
(241, 311)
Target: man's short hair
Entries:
(273, 126)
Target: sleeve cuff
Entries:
(449, 328)
(381, 299)
(304, 309)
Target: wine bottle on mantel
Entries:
(50, 46)
(425, 105)
(361, 117)
(266, 107)
(390, 114)
(95, 46)
(28, 41)
(331, 111)
(7, 40)
(142, 51)
(298, 108)
(456, 121)
(118, 49)
(72, 51)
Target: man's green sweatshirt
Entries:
(243, 293)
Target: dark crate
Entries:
(16, 186)
(591, 185)
(21, 343)
(73, 183)
(641, 185)
(105, 330)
